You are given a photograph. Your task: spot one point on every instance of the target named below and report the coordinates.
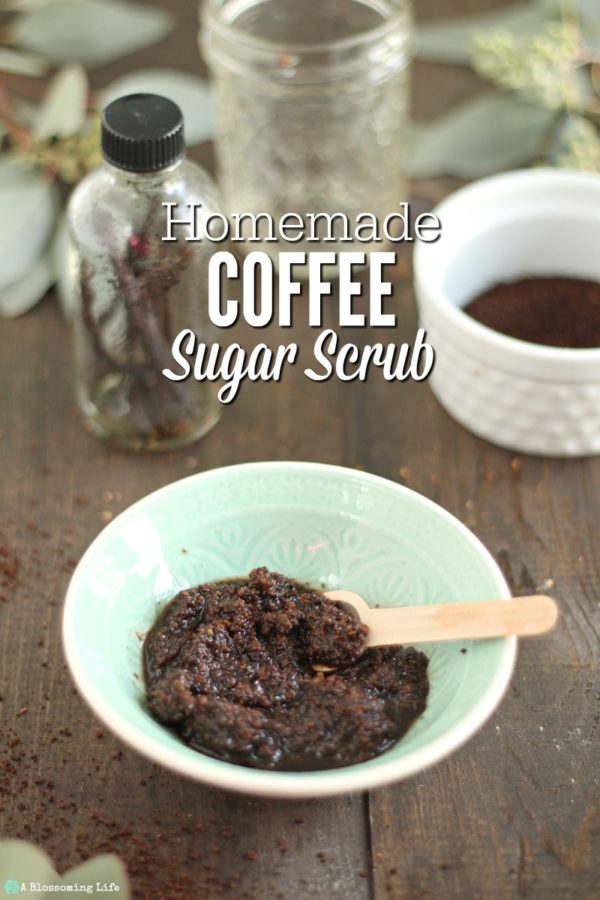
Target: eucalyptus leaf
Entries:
(592, 38)
(28, 210)
(22, 862)
(570, 129)
(19, 298)
(590, 22)
(106, 868)
(590, 11)
(575, 145)
(63, 110)
(92, 32)
(482, 136)
(24, 5)
(192, 94)
(21, 63)
(449, 40)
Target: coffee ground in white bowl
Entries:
(555, 312)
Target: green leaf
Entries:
(106, 868)
(20, 861)
(63, 111)
(19, 298)
(193, 95)
(21, 63)
(576, 145)
(590, 11)
(449, 40)
(590, 22)
(482, 136)
(21, 5)
(28, 209)
(92, 32)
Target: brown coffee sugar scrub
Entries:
(553, 311)
(267, 673)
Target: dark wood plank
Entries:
(516, 812)
(60, 766)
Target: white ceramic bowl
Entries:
(523, 396)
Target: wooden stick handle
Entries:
(455, 621)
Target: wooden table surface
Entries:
(514, 813)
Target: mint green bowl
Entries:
(329, 526)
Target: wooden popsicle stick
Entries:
(453, 621)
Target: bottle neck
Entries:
(144, 181)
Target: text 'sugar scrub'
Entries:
(347, 361)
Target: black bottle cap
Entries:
(142, 133)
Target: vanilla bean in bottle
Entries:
(133, 291)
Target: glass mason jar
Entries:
(313, 108)
(132, 291)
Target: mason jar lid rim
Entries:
(228, 30)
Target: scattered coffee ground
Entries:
(556, 312)
(10, 566)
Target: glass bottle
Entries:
(313, 108)
(133, 291)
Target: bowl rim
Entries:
(284, 785)
(454, 315)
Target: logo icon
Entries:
(12, 887)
